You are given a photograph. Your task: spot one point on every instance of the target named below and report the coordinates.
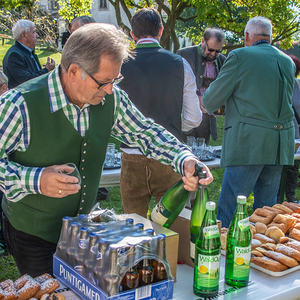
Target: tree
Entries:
(230, 15)
(70, 9)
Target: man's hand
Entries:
(191, 182)
(202, 108)
(57, 185)
(50, 65)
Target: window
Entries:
(102, 4)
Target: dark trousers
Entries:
(32, 255)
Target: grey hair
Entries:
(20, 27)
(88, 43)
(84, 20)
(214, 32)
(259, 26)
(3, 79)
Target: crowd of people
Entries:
(149, 99)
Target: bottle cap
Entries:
(198, 168)
(241, 199)
(210, 205)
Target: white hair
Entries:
(259, 26)
(20, 27)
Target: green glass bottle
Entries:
(172, 202)
(238, 249)
(207, 255)
(198, 212)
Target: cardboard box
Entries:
(172, 240)
(182, 226)
(88, 291)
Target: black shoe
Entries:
(293, 200)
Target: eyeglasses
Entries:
(102, 85)
(212, 50)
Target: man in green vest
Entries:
(68, 116)
(256, 84)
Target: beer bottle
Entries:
(198, 212)
(72, 243)
(147, 271)
(172, 202)
(80, 250)
(90, 262)
(238, 249)
(131, 278)
(64, 237)
(111, 279)
(207, 255)
(99, 269)
(160, 272)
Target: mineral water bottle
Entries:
(72, 243)
(172, 202)
(147, 271)
(198, 212)
(207, 255)
(81, 249)
(238, 250)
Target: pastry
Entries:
(53, 296)
(268, 246)
(260, 227)
(284, 208)
(20, 282)
(294, 245)
(262, 215)
(278, 211)
(8, 290)
(284, 240)
(274, 233)
(28, 290)
(269, 264)
(293, 206)
(255, 243)
(263, 239)
(295, 234)
(288, 251)
(43, 277)
(257, 253)
(47, 287)
(286, 260)
(252, 230)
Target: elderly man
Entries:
(68, 116)
(256, 83)
(20, 63)
(206, 61)
(163, 87)
(80, 21)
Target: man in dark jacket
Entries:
(20, 62)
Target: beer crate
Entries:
(88, 291)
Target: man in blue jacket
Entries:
(20, 63)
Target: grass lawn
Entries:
(41, 53)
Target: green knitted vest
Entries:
(55, 141)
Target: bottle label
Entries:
(192, 250)
(160, 214)
(241, 265)
(207, 271)
(83, 243)
(244, 224)
(211, 232)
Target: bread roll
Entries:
(284, 208)
(295, 234)
(256, 253)
(263, 239)
(284, 240)
(294, 245)
(288, 251)
(268, 246)
(252, 230)
(268, 264)
(274, 233)
(260, 227)
(293, 206)
(262, 215)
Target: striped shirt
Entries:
(130, 127)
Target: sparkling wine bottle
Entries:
(207, 255)
(238, 249)
(173, 201)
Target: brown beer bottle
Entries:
(160, 272)
(131, 278)
(147, 271)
